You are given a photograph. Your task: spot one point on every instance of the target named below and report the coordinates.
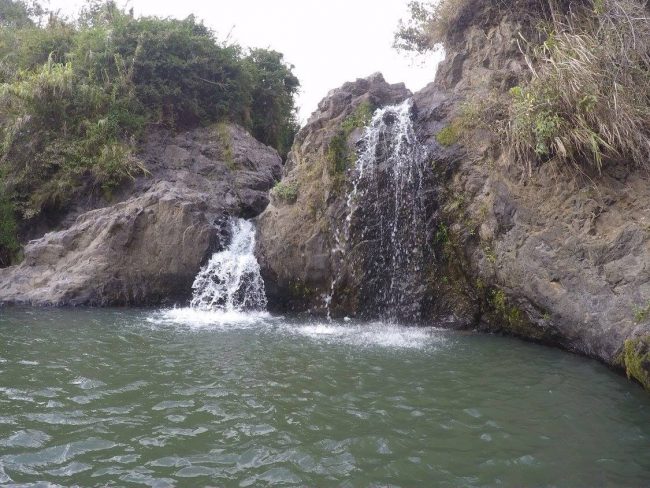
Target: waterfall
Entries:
(381, 243)
(231, 280)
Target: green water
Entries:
(128, 398)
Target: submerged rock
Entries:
(148, 248)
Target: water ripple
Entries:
(174, 398)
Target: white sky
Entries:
(329, 41)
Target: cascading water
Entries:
(381, 244)
(231, 280)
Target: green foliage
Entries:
(225, 140)
(358, 119)
(636, 359)
(511, 314)
(76, 97)
(489, 254)
(285, 192)
(181, 73)
(339, 155)
(18, 13)
(442, 235)
(8, 228)
(272, 113)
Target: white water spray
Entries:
(386, 213)
(231, 281)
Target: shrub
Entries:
(285, 192)
(273, 114)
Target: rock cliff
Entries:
(148, 247)
(554, 257)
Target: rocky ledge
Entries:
(148, 247)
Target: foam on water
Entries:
(372, 335)
(205, 319)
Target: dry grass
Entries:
(589, 97)
(442, 22)
(430, 24)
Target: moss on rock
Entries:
(636, 359)
(339, 155)
(448, 136)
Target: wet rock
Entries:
(296, 239)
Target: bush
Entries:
(273, 114)
(76, 97)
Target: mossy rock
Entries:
(339, 155)
(636, 359)
(448, 136)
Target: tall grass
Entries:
(588, 100)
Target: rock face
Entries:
(296, 237)
(549, 257)
(147, 248)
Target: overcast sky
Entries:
(329, 41)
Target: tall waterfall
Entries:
(231, 280)
(383, 237)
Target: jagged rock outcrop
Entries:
(148, 248)
(296, 236)
(551, 257)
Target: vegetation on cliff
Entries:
(586, 99)
(76, 96)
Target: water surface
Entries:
(183, 398)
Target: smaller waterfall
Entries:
(231, 280)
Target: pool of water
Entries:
(182, 398)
